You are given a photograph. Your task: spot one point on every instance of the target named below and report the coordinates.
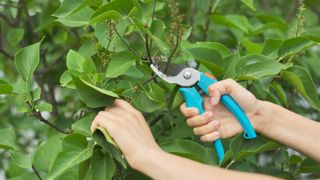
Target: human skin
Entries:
(130, 131)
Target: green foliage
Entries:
(63, 61)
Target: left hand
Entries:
(128, 128)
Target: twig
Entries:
(6, 19)
(156, 119)
(147, 48)
(36, 172)
(206, 26)
(148, 80)
(6, 53)
(152, 18)
(124, 42)
(50, 87)
(38, 115)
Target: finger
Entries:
(220, 88)
(188, 112)
(210, 137)
(206, 129)
(200, 120)
(125, 105)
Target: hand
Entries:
(129, 129)
(218, 121)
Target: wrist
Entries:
(261, 117)
(144, 161)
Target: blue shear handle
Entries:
(232, 105)
(193, 99)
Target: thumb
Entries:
(220, 88)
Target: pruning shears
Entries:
(187, 78)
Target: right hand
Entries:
(218, 121)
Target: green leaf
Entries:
(207, 55)
(103, 139)
(14, 36)
(242, 148)
(256, 67)
(234, 21)
(120, 63)
(111, 10)
(46, 153)
(75, 61)
(301, 80)
(77, 19)
(5, 88)
(281, 94)
(309, 166)
(93, 96)
(75, 150)
(142, 102)
(271, 47)
(102, 165)
(251, 47)
(7, 139)
(21, 159)
(44, 107)
(67, 7)
(249, 3)
(159, 37)
(83, 126)
(293, 46)
(27, 60)
(189, 149)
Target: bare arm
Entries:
(268, 119)
(290, 129)
(130, 131)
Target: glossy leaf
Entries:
(75, 150)
(112, 10)
(93, 96)
(293, 46)
(46, 153)
(103, 139)
(300, 79)
(234, 21)
(27, 60)
(83, 125)
(102, 166)
(120, 63)
(256, 67)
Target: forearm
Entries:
(290, 129)
(162, 165)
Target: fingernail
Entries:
(210, 115)
(216, 123)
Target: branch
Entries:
(147, 48)
(6, 19)
(36, 172)
(206, 26)
(38, 115)
(124, 42)
(5, 53)
(152, 18)
(156, 119)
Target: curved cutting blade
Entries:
(177, 74)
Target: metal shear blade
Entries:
(177, 74)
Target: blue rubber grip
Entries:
(194, 99)
(232, 105)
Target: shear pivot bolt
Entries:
(187, 75)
